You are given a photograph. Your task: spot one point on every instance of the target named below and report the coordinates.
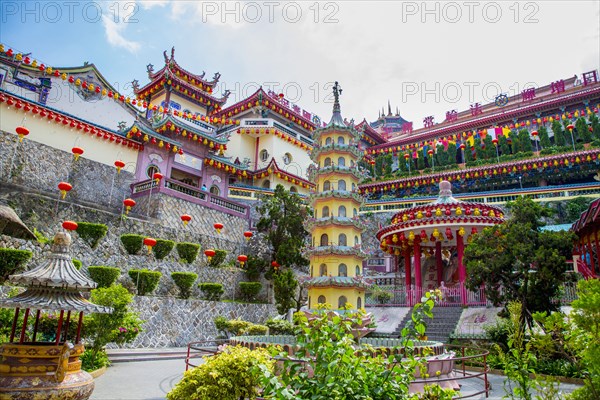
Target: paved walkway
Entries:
(152, 380)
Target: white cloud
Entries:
(114, 35)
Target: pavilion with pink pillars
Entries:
(431, 240)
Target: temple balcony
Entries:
(257, 126)
(172, 187)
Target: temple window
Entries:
(326, 212)
(214, 189)
(264, 155)
(356, 240)
(354, 212)
(322, 299)
(359, 302)
(327, 162)
(342, 239)
(357, 270)
(151, 170)
(342, 185)
(324, 240)
(342, 270)
(341, 162)
(341, 140)
(266, 184)
(323, 270)
(328, 141)
(326, 186)
(342, 211)
(287, 158)
(342, 301)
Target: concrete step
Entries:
(135, 355)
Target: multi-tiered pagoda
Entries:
(336, 255)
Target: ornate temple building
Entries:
(336, 254)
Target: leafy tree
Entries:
(517, 261)
(575, 207)
(544, 138)
(582, 130)
(282, 220)
(503, 143)
(595, 124)
(441, 156)
(524, 141)
(513, 139)
(420, 162)
(559, 134)
(490, 149)
(451, 154)
(570, 137)
(287, 292)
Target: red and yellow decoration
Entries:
(209, 253)
(64, 188)
(149, 243)
(218, 226)
(248, 235)
(22, 132)
(128, 203)
(119, 165)
(185, 218)
(276, 132)
(242, 259)
(69, 225)
(77, 152)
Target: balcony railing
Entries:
(190, 193)
(399, 296)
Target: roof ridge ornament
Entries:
(336, 118)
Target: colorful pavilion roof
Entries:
(588, 218)
(337, 281)
(369, 134)
(273, 167)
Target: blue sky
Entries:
(425, 57)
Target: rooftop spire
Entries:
(336, 118)
(389, 108)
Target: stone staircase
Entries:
(440, 327)
(135, 355)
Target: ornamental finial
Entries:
(336, 118)
(337, 91)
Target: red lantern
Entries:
(495, 141)
(570, 127)
(218, 226)
(248, 235)
(77, 151)
(119, 165)
(22, 132)
(157, 176)
(64, 187)
(473, 231)
(210, 253)
(449, 234)
(242, 259)
(128, 203)
(186, 219)
(275, 265)
(534, 133)
(149, 243)
(69, 225)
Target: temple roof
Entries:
(369, 134)
(39, 298)
(336, 118)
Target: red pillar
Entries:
(438, 261)
(462, 273)
(418, 279)
(407, 278)
(589, 246)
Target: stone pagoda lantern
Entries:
(31, 369)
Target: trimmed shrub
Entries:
(212, 291)
(132, 242)
(144, 280)
(256, 329)
(184, 281)
(77, 263)
(237, 327)
(280, 327)
(91, 233)
(188, 251)
(218, 259)
(163, 248)
(12, 261)
(250, 290)
(104, 276)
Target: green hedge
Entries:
(77, 263)
(162, 248)
(250, 290)
(218, 259)
(145, 281)
(280, 327)
(256, 329)
(212, 291)
(132, 242)
(184, 281)
(12, 261)
(91, 233)
(104, 276)
(188, 251)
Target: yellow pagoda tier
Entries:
(336, 256)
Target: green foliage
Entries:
(282, 220)
(162, 248)
(91, 233)
(121, 326)
(145, 280)
(218, 258)
(583, 132)
(524, 141)
(132, 242)
(89, 362)
(255, 266)
(7, 316)
(221, 324)
(184, 281)
(212, 291)
(544, 138)
(280, 327)
(12, 261)
(77, 263)
(104, 276)
(232, 374)
(256, 329)
(41, 238)
(529, 264)
(285, 288)
(576, 206)
(250, 290)
(188, 251)
(380, 295)
(559, 134)
(238, 327)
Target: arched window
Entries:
(342, 185)
(342, 301)
(327, 162)
(264, 155)
(309, 301)
(353, 186)
(151, 170)
(326, 186)
(324, 240)
(359, 302)
(316, 212)
(323, 270)
(342, 240)
(342, 211)
(312, 270)
(321, 299)
(328, 141)
(326, 212)
(266, 184)
(341, 162)
(356, 240)
(293, 189)
(287, 158)
(214, 189)
(354, 212)
(357, 270)
(341, 140)
(342, 270)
